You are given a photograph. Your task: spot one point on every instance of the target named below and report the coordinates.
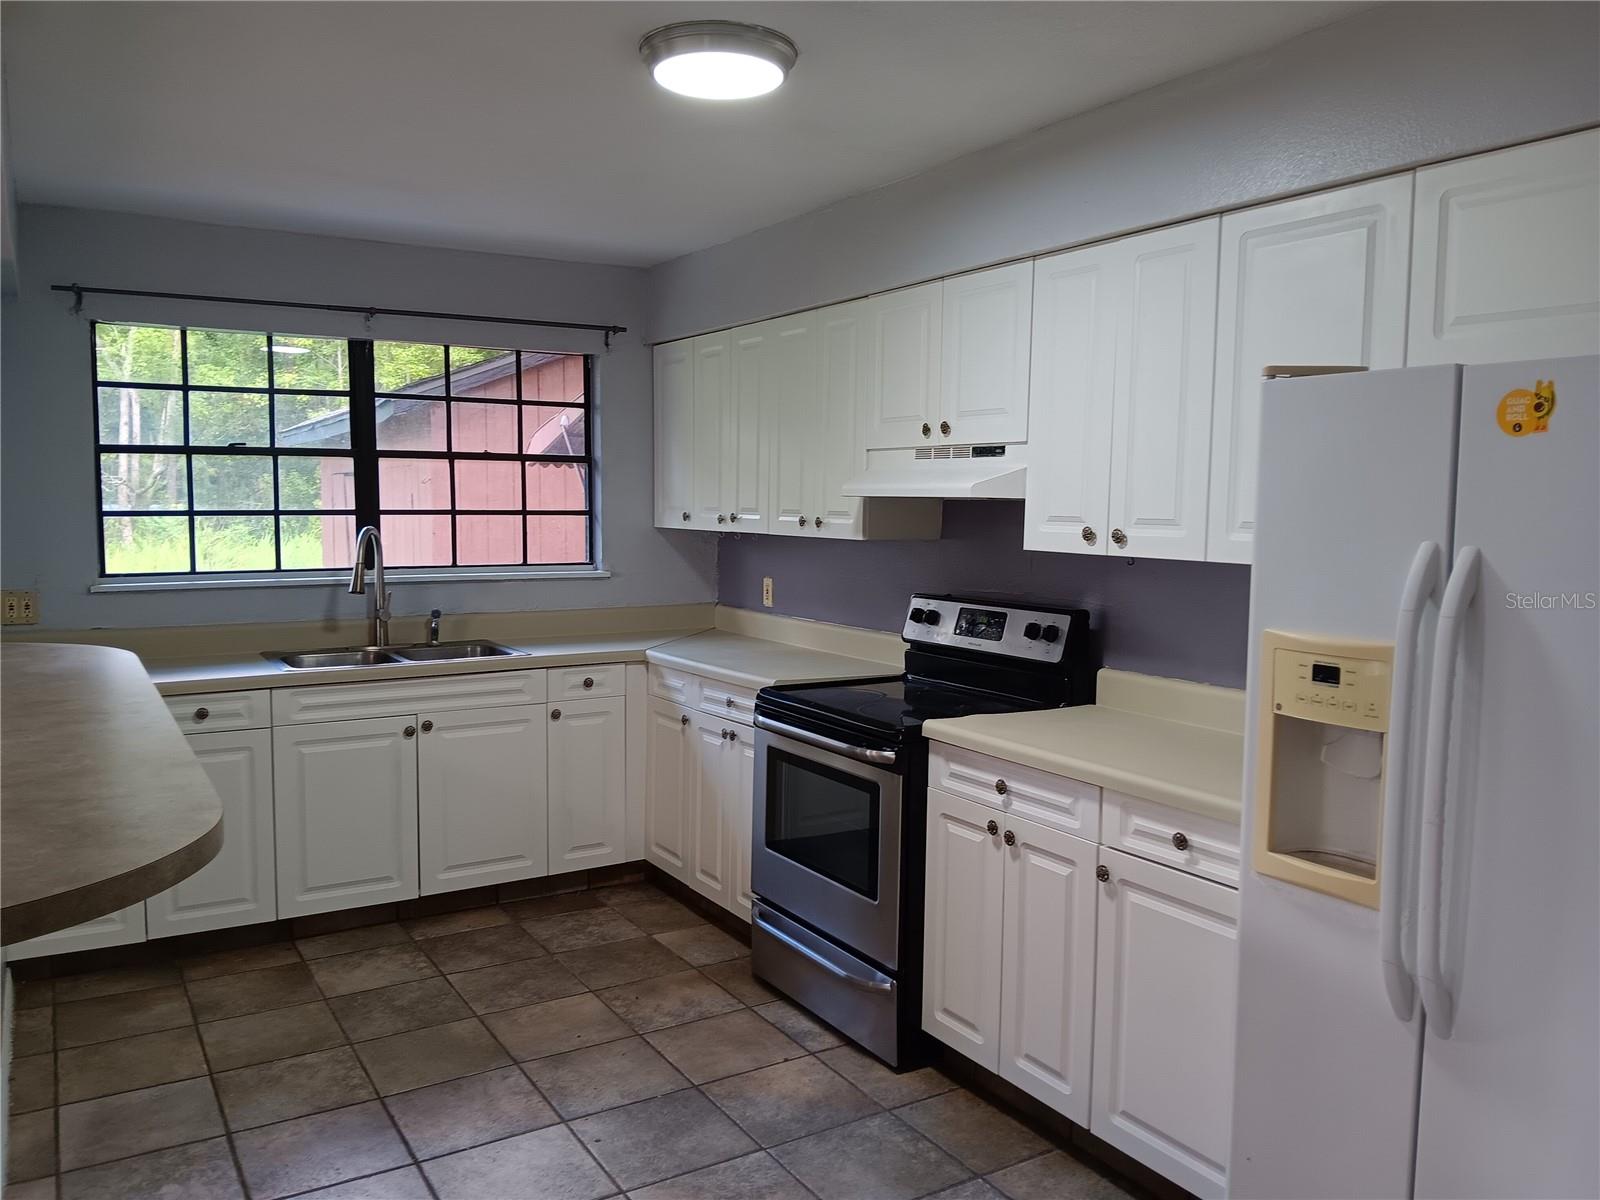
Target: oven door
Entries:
(826, 838)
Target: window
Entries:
(222, 451)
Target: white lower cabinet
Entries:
(481, 797)
(668, 761)
(741, 800)
(239, 886)
(1165, 1003)
(710, 839)
(120, 928)
(588, 784)
(346, 801)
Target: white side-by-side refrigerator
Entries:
(1419, 941)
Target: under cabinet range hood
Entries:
(944, 473)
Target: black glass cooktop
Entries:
(884, 709)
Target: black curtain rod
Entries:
(79, 292)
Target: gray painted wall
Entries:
(47, 506)
(1181, 619)
(1383, 90)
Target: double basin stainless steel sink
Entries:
(378, 656)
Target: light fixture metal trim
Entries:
(717, 37)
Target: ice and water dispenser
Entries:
(1324, 724)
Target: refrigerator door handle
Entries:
(1458, 596)
(1422, 581)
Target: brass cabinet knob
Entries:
(1010, 839)
(1000, 787)
(1090, 536)
(683, 720)
(927, 430)
(944, 428)
(588, 681)
(1180, 841)
(993, 828)
(1103, 873)
(427, 727)
(1119, 537)
(555, 714)
(410, 731)
(200, 714)
(685, 516)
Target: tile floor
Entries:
(566, 1048)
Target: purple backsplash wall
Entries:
(1187, 620)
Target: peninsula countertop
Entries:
(102, 802)
(1167, 740)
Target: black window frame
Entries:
(364, 453)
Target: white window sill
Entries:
(340, 579)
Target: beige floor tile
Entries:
(621, 962)
(982, 1137)
(885, 1086)
(456, 922)
(97, 1131)
(549, 1164)
(32, 1083)
(245, 958)
(659, 916)
(702, 945)
(405, 1184)
(511, 985)
(107, 1017)
(756, 1176)
(316, 1151)
(262, 1037)
(556, 1026)
(586, 927)
(1055, 1175)
(725, 1045)
(348, 941)
(452, 1116)
(480, 947)
(200, 1171)
(790, 1100)
(34, 1031)
(804, 1028)
(657, 1139)
(292, 1087)
(128, 1064)
(252, 991)
(367, 969)
(734, 977)
(586, 1081)
(649, 1004)
(30, 1146)
(111, 983)
(399, 1008)
(880, 1157)
(423, 1056)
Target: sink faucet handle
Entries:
(383, 604)
(433, 627)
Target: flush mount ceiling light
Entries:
(717, 60)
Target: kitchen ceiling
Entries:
(533, 128)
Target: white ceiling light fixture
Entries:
(717, 60)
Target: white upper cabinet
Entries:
(983, 394)
(712, 356)
(1161, 416)
(1506, 255)
(792, 421)
(1075, 319)
(588, 783)
(674, 424)
(1317, 281)
(753, 382)
(903, 365)
(839, 452)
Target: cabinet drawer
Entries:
(728, 700)
(213, 712)
(1054, 801)
(576, 683)
(1199, 845)
(398, 697)
(680, 687)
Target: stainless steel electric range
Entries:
(840, 796)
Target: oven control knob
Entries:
(931, 617)
(1050, 632)
(1031, 630)
(918, 615)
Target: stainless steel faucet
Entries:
(378, 597)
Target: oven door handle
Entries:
(878, 984)
(882, 758)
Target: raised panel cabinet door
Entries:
(838, 445)
(792, 422)
(668, 746)
(741, 815)
(902, 366)
(121, 928)
(1076, 305)
(1161, 418)
(239, 886)
(674, 432)
(1317, 281)
(962, 932)
(987, 329)
(482, 797)
(1047, 966)
(345, 807)
(708, 439)
(1165, 1003)
(588, 784)
(710, 863)
(1506, 255)
(746, 440)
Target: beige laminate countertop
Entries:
(102, 802)
(1136, 744)
(758, 662)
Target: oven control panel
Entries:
(995, 629)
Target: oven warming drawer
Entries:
(853, 996)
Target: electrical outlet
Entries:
(766, 591)
(19, 607)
